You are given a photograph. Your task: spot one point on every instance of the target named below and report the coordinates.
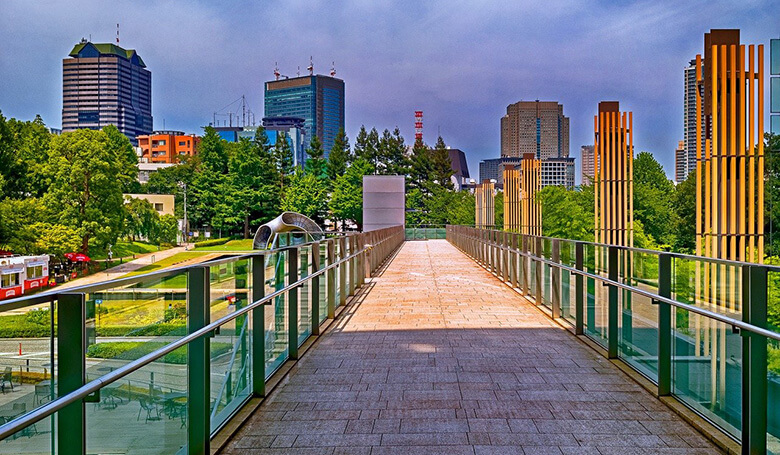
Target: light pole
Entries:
(183, 185)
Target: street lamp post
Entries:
(183, 185)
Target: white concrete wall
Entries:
(384, 201)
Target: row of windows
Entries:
(9, 280)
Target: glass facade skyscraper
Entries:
(317, 99)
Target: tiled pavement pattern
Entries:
(441, 358)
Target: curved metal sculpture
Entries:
(286, 222)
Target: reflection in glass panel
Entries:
(276, 342)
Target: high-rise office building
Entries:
(537, 127)
(104, 84)
(558, 172)
(680, 163)
(587, 164)
(774, 86)
(317, 99)
(689, 122)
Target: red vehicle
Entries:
(21, 274)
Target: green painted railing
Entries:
(696, 327)
(158, 363)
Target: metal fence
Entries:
(696, 327)
(158, 363)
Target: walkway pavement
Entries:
(441, 358)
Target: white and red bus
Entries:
(21, 274)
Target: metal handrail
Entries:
(693, 309)
(82, 392)
(25, 301)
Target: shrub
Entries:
(211, 242)
(133, 350)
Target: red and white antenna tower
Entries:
(311, 66)
(276, 70)
(418, 119)
(117, 33)
(333, 70)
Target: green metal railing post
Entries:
(754, 363)
(258, 326)
(524, 266)
(579, 286)
(71, 372)
(331, 277)
(353, 263)
(198, 363)
(555, 279)
(538, 265)
(292, 303)
(614, 310)
(664, 325)
(315, 289)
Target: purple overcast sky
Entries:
(461, 62)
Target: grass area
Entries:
(133, 350)
(126, 249)
(168, 262)
(233, 245)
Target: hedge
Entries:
(212, 242)
(133, 350)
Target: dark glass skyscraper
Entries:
(317, 99)
(104, 84)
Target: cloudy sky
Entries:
(461, 62)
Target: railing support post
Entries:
(664, 325)
(612, 324)
(538, 265)
(71, 371)
(579, 286)
(331, 277)
(198, 363)
(258, 326)
(292, 303)
(555, 279)
(513, 260)
(343, 291)
(754, 363)
(315, 289)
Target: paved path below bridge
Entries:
(441, 358)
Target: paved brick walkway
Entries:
(441, 358)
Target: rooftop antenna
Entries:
(311, 65)
(276, 70)
(333, 69)
(299, 70)
(117, 33)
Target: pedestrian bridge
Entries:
(486, 342)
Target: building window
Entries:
(162, 142)
(9, 280)
(34, 272)
(182, 143)
(158, 206)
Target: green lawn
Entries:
(126, 249)
(168, 262)
(233, 245)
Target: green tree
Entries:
(141, 219)
(498, 202)
(29, 142)
(772, 195)
(15, 229)
(122, 150)
(306, 194)
(567, 214)
(174, 180)
(339, 156)
(392, 159)
(283, 159)
(208, 204)
(421, 166)
(346, 203)
(684, 205)
(315, 163)
(252, 177)
(86, 194)
(54, 239)
(441, 167)
(166, 230)
(653, 200)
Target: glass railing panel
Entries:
(28, 378)
(145, 412)
(230, 287)
(304, 294)
(337, 274)
(708, 284)
(28, 374)
(707, 368)
(323, 289)
(568, 281)
(275, 324)
(638, 335)
(596, 294)
(125, 323)
(773, 359)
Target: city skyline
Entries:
(394, 59)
